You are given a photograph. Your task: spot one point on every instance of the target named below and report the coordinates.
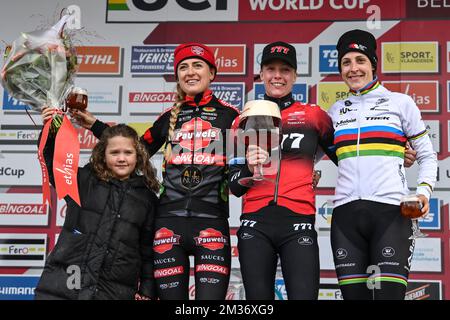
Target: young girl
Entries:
(104, 250)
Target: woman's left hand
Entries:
(425, 204)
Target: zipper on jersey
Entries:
(277, 180)
(188, 203)
(361, 110)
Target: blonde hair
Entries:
(143, 165)
(181, 97)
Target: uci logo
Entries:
(388, 252)
(341, 253)
(185, 4)
(305, 241)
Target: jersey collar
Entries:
(200, 99)
(282, 102)
(372, 85)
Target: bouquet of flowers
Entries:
(39, 70)
(40, 67)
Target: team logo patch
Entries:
(204, 134)
(388, 252)
(305, 241)
(341, 253)
(191, 177)
(209, 109)
(197, 50)
(211, 239)
(168, 272)
(246, 236)
(164, 240)
(211, 268)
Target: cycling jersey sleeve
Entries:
(417, 134)
(325, 130)
(237, 162)
(155, 136)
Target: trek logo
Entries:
(388, 252)
(341, 253)
(196, 130)
(211, 239)
(376, 118)
(164, 240)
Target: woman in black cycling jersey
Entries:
(192, 215)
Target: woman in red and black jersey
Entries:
(278, 218)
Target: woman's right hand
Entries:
(47, 113)
(83, 118)
(255, 156)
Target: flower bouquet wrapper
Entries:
(39, 70)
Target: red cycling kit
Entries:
(278, 218)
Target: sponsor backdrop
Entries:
(125, 50)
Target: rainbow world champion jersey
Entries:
(371, 130)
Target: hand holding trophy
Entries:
(411, 207)
(260, 132)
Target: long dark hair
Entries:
(143, 165)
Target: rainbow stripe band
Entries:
(419, 135)
(424, 184)
(370, 87)
(382, 277)
(373, 141)
(117, 5)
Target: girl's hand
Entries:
(47, 113)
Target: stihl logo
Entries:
(167, 272)
(96, 59)
(22, 208)
(211, 239)
(150, 97)
(279, 49)
(211, 268)
(164, 240)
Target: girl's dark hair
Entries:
(143, 165)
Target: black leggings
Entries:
(273, 231)
(374, 235)
(208, 240)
